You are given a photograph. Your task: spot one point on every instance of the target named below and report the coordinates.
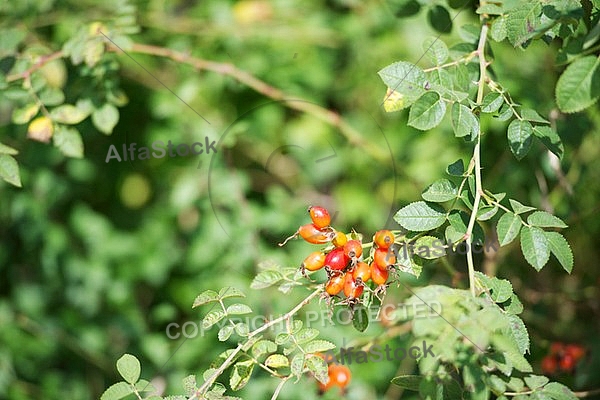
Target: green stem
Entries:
(477, 160)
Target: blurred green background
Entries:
(96, 258)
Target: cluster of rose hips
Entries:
(562, 358)
(339, 375)
(342, 259)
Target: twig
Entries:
(477, 160)
(39, 64)
(228, 69)
(202, 390)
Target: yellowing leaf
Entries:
(40, 129)
(393, 101)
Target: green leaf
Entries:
(225, 332)
(427, 112)
(550, 139)
(498, 31)
(263, 347)
(406, 79)
(579, 86)
(531, 115)
(51, 96)
(513, 305)
(277, 361)
(317, 346)
(543, 219)
(190, 385)
(212, 318)
(404, 8)
(439, 19)
(436, 50)
(265, 279)
(318, 367)
(457, 168)
(486, 213)
(105, 118)
(297, 364)
(519, 137)
(559, 391)
(535, 247)
(208, 296)
(420, 216)
(10, 39)
(560, 249)
(9, 170)
(24, 114)
(68, 140)
(240, 374)
(306, 335)
(519, 333)
(492, 102)
(129, 368)
(429, 247)
(238, 309)
(509, 226)
(360, 319)
(490, 9)
(144, 386)
(440, 191)
(242, 329)
(500, 289)
(67, 114)
(117, 391)
(536, 381)
(522, 22)
(230, 291)
(4, 149)
(464, 122)
(519, 208)
(410, 382)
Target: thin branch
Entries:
(477, 160)
(227, 69)
(43, 60)
(202, 390)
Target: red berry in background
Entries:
(379, 276)
(549, 365)
(314, 261)
(362, 271)
(312, 234)
(353, 249)
(336, 259)
(340, 239)
(557, 348)
(575, 350)
(384, 238)
(384, 257)
(320, 216)
(335, 284)
(352, 288)
(339, 375)
(567, 363)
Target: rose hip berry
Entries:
(353, 288)
(362, 271)
(314, 261)
(384, 257)
(379, 276)
(335, 284)
(336, 259)
(353, 249)
(312, 234)
(320, 216)
(384, 239)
